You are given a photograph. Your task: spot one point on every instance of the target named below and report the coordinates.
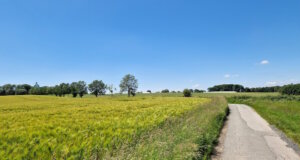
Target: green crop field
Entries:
(280, 111)
(48, 127)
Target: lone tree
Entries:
(130, 84)
(97, 88)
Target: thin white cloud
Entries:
(271, 83)
(231, 76)
(227, 76)
(196, 85)
(264, 62)
(280, 83)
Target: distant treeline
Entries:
(227, 87)
(75, 88)
(97, 87)
(292, 89)
(191, 90)
(263, 89)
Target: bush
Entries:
(292, 89)
(165, 91)
(187, 93)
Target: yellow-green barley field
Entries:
(48, 127)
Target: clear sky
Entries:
(164, 43)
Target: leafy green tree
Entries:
(291, 89)
(74, 89)
(57, 90)
(165, 91)
(187, 93)
(27, 87)
(97, 88)
(50, 90)
(22, 89)
(81, 88)
(65, 89)
(43, 90)
(9, 89)
(149, 91)
(130, 84)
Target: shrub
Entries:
(165, 91)
(187, 93)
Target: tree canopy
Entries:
(130, 84)
(97, 87)
(291, 89)
(165, 91)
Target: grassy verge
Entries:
(192, 136)
(280, 111)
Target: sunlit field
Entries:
(48, 127)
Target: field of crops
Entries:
(47, 127)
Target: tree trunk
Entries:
(129, 92)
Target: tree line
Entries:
(227, 87)
(128, 84)
(263, 89)
(191, 90)
(291, 89)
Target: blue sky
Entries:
(165, 44)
